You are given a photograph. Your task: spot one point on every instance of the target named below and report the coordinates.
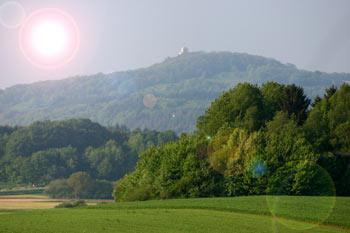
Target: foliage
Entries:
(239, 107)
(250, 107)
(251, 141)
(295, 103)
(71, 204)
(50, 150)
(80, 185)
(111, 161)
(339, 119)
(273, 95)
(301, 178)
(59, 189)
(180, 173)
(283, 150)
(285, 142)
(77, 133)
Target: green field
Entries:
(241, 215)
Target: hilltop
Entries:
(168, 95)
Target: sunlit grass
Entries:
(319, 210)
(231, 215)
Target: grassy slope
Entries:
(241, 215)
(334, 211)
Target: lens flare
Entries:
(258, 168)
(316, 206)
(150, 101)
(12, 14)
(49, 38)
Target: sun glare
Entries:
(49, 38)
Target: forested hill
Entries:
(168, 95)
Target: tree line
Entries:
(54, 150)
(253, 140)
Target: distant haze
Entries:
(127, 34)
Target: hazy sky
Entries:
(127, 34)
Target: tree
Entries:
(59, 189)
(110, 161)
(39, 136)
(274, 94)
(241, 106)
(175, 169)
(53, 164)
(316, 101)
(96, 189)
(316, 127)
(286, 142)
(339, 119)
(330, 92)
(80, 183)
(312, 180)
(101, 189)
(295, 103)
(139, 140)
(304, 178)
(5, 131)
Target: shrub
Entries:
(59, 189)
(71, 204)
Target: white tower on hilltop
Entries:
(184, 50)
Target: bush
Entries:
(303, 178)
(101, 189)
(71, 204)
(86, 188)
(59, 189)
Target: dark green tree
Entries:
(59, 189)
(295, 103)
(110, 161)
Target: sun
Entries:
(49, 38)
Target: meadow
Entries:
(242, 215)
(27, 201)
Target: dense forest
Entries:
(170, 95)
(46, 151)
(253, 140)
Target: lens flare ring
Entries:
(279, 204)
(49, 38)
(12, 14)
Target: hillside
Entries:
(168, 95)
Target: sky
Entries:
(117, 35)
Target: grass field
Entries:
(241, 215)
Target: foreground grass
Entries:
(241, 215)
(327, 210)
